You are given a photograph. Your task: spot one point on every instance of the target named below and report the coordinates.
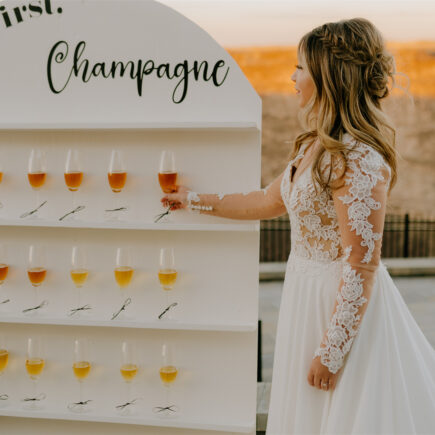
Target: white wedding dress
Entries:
(340, 303)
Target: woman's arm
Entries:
(360, 205)
(259, 204)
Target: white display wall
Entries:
(215, 133)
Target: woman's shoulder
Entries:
(359, 160)
(366, 157)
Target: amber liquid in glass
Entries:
(79, 276)
(4, 269)
(167, 278)
(117, 180)
(128, 372)
(4, 358)
(1, 176)
(168, 181)
(37, 275)
(168, 374)
(34, 366)
(81, 369)
(123, 275)
(36, 179)
(73, 180)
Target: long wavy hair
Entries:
(352, 73)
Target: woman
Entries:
(349, 357)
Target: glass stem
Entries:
(37, 198)
(167, 394)
(168, 314)
(128, 391)
(81, 391)
(34, 388)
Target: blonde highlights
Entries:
(352, 73)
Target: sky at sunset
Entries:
(235, 23)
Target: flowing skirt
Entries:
(387, 384)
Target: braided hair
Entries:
(352, 72)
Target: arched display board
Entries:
(136, 76)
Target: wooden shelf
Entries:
(132, 126)
(132, 225)
(133, 323)
(141, 419)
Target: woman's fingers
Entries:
(310, 379)
(317, 381)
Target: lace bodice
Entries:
(313, 219)
(339, 224)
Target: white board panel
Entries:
(45, 53)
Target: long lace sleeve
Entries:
(266, 203)
(360, 204)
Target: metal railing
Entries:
(404, 236)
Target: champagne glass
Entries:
(117, 176)
(167, 172)
(129, 371)
(123, 271)
(37, 173)
(167, 175)
(168, 373)
(79, 272)
(167, 274)
(4, 269)
(73, 174)
(4, 358)
(34, 365)
(36, 270)
(81, 369)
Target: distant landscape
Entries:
(269, 69)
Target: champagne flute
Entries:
(73, 174)
(168, 373)
(4, 269)
(167, 175)
(36, 270)
(4, 358)
(37, 173)
(167, 172)
(128, 371)
(117, 176)
(79, 272)
(81, 369)
(34, 365)
(167, 274)
(123, 271)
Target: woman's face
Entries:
(304, 84)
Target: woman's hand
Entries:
(176, 200)
(319, 375)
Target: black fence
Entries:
(404, 236)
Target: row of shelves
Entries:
(179, 422)
(129, 323)
(130, 225)
(229, 125)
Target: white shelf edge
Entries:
(224, 125)
(147, 421)
(177, 325)
(254, 226)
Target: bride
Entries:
(349, 356)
